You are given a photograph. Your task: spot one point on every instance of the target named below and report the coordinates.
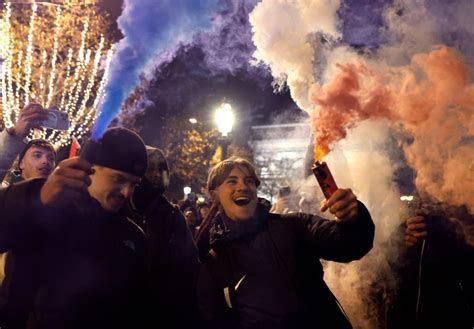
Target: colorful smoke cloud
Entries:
(149, 28)
(205, 69)
(427, 94)
(410, 72)
(430, 99)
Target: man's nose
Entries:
(127, 190)
(242, 185)
(44, 160)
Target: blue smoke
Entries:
(202, 69)
(453, 24)
(149, 27)
(361, 21)
(363, 25)
(229, 46)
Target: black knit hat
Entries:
(119, 149)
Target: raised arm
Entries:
(349, 236)
(12, 141)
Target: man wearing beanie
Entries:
(80, 261)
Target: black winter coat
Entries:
(74, 267)
(267, 273)
(173, 265)
(438, 276)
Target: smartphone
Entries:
(56, 120)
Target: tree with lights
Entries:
(189, 151)
(56, 55)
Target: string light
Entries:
(76, 87)
(54, 56)
(6, 65)
(29, 55)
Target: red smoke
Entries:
(431, 99)
(343, 102)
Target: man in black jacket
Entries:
(434, 270)
(79, 262)
(172, 259)
(263, 269)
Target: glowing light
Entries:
(186, 190)
(406, 198)
(320, 152)
(54, 56)
(71, 80)
(29, 55)
(224, 118)
(193, 120)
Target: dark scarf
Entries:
(225, 230)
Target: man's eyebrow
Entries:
(119, 175)
(236, 177)
(41, 150)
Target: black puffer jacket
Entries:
(74, 267)
(266, 273)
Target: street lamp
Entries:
(224, 118)
(186, 190)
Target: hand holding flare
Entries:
(342, 203)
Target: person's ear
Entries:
(214, 196)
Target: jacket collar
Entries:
(224, 231)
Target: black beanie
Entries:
(119, 149)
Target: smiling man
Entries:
(262, 270)
(112, 188)
(78, 261)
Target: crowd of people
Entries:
(92, 242)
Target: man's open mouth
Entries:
(242, 200)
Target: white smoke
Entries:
(362, 162)
(281, 32)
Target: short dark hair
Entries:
(40, 143)
(221, 171)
